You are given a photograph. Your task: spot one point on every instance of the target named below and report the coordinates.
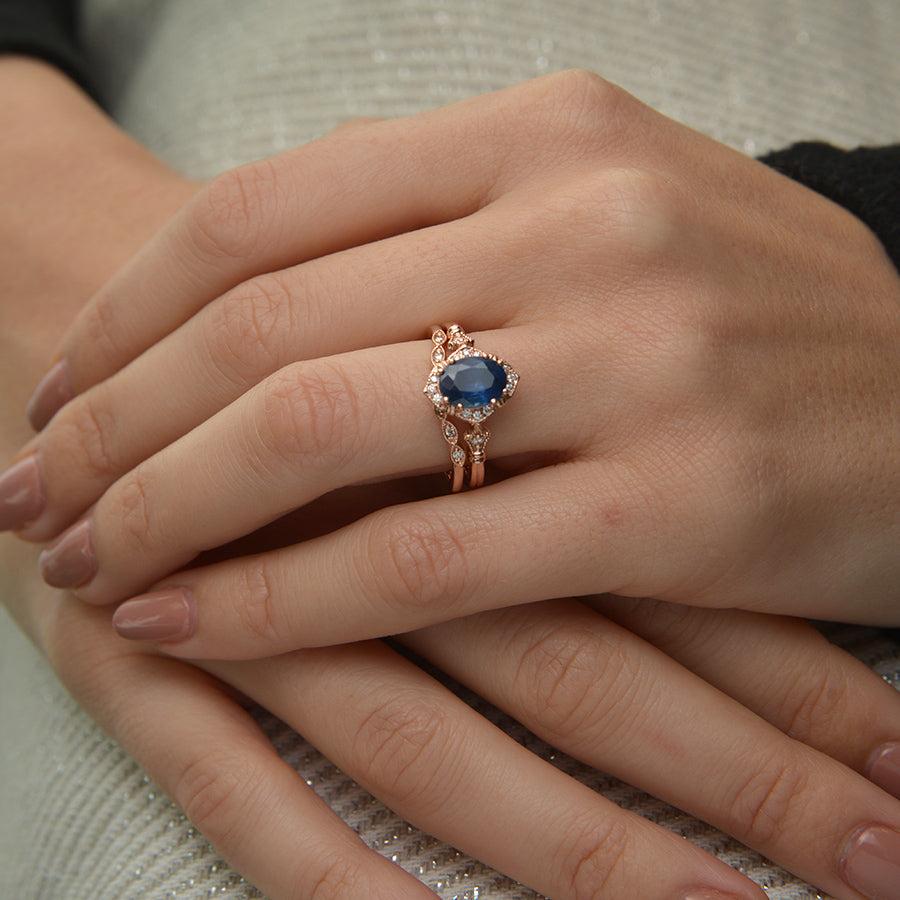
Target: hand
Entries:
(184, 727)
(706, 412)
(589, 686)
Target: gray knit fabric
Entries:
(212, 83)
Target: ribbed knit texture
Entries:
(212, 83)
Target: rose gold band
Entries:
(450, 346)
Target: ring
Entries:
(469, 385)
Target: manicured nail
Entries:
(884, 769)
(161, 616)
(53, 392)
(69, 561)
(21, 494)
(872, 863)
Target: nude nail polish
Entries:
(70, 562)
(166, 615)
(871, 864)
(884, 769)
(52, 393)
(21, 494)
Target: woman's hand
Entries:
(204, 750)
(600, 691)
(707, 410)
(780, 763)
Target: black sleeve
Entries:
(865, 181)
(46, 29)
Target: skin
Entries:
(707, 359)
(574, 672)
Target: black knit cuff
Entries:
(865, 181)
(45, 29)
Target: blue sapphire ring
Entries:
(467, 384)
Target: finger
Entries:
(440, 765)
(213, 760)
(306, 430)
(605, 696)
(350, 188)
(401, 568)
(786, 671)
(398, 569)
(325, 307)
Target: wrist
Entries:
(79, 195)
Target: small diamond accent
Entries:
(477, 439)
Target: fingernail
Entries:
(161, 616)
(69, 561)
(884, 769)
(21, 494)
(872, 864)
(52, 393)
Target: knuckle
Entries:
(255, 600)
(584, 105)
(584, 92)
(90, 428)
(676, 626)
(645, 212)
(101, 328)
(336, 878)
(761, 803)
(402, 745)
(635, 216)
(249, 328)
(595, 861)
(638, 212)
(312, 410)
(214, 790)
(132, 509)
(817, 704)
(571, 678)
(228, 217)
(418, 562)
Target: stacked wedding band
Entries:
(469, 385)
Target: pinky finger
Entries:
(208, 754)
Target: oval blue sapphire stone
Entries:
(473, 381)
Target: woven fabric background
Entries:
(212, 83)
